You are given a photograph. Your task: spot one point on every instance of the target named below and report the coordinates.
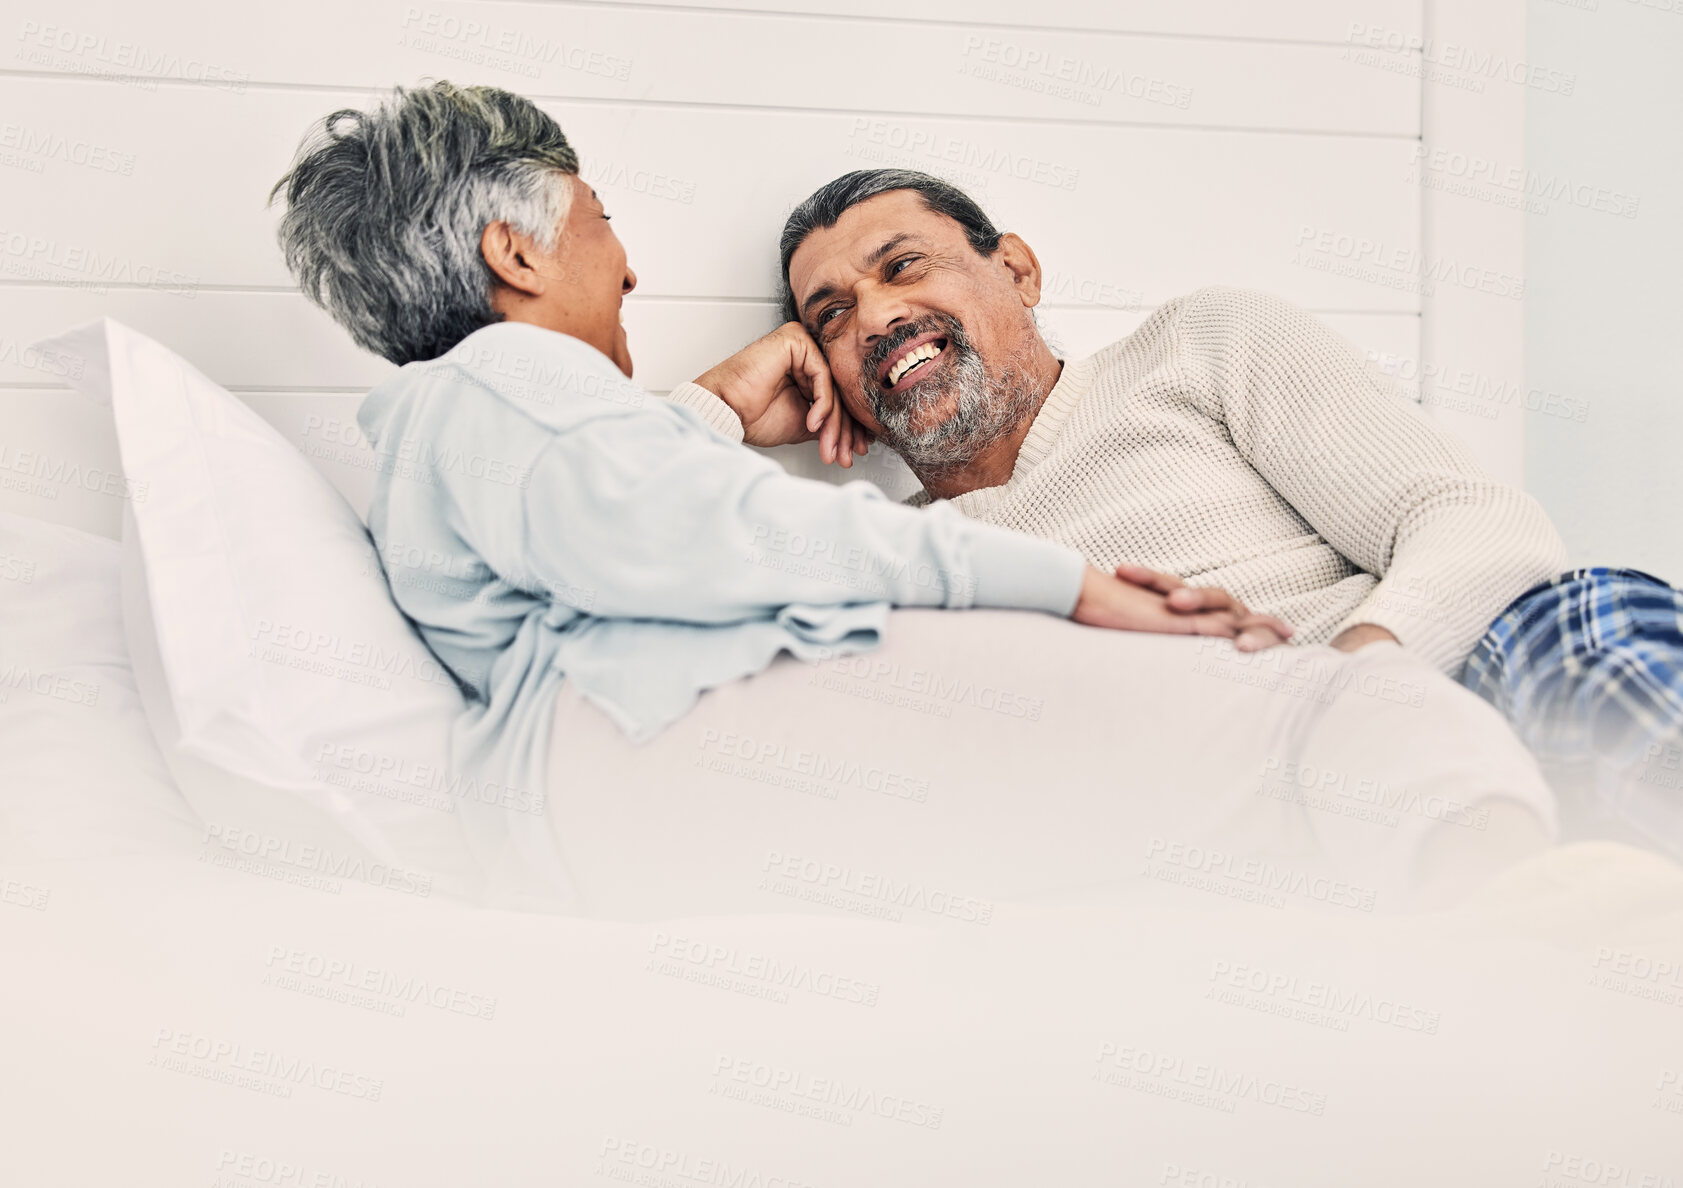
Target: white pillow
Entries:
(302, 715)
(83, 777)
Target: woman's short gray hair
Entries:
(385, 210)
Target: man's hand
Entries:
(780, 388)
(1360, 636)
(1126, 604)
(1253, 631)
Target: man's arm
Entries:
(1397, 495)
(777, 391)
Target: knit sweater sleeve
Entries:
(1396, 494)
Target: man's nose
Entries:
(879, 310)
(630, 281)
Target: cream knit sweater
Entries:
(1237, 441)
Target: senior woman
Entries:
(573, 526)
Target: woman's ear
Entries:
(1022, 265)
(511, 255)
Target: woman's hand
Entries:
(780, 388)
(1140, 599)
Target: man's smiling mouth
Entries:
(913, 362)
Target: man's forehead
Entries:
(861, 232)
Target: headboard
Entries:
(1143, 147)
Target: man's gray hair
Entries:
(385, 210)
(829, 202)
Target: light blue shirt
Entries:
(540, 517)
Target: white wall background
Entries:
(1604, 315)
(1185, 143)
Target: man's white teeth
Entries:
(927, 351)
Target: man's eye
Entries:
(894, 268)
(826, 316)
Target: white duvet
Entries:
(174, 1023)
(1006, 902)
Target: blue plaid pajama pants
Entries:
(1589, 669)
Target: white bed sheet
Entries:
(186, 1023)
(82, 775)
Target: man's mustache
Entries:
(877, 358)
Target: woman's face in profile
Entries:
(595, 276)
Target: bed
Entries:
(1005, 901)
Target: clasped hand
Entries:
(1141, 599)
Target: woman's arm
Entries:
(660, 518)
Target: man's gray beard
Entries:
(986, 409)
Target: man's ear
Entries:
(510, 255)
(1022, 265)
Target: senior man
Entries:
(1236, 441)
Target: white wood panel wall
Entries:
(1145, 147)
